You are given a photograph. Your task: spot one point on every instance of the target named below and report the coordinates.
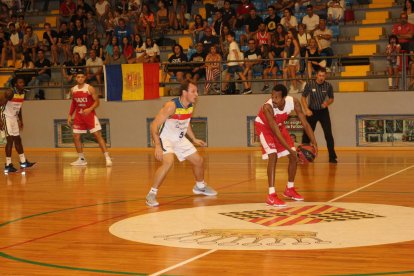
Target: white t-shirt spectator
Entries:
(292, 23)
(97, 62)
(232, 56)
(152, 51)
(311, 22)
(101, 7)
(323, 42)
(81, 50)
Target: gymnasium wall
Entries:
(227, 123)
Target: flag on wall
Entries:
(132, 82)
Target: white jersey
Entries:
(12, 107)
(175, 127)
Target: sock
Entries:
(389, 81)
(201, 184)
(272, 190)
(8, 161)
(106, 154)
(22, 158)
(290, 185)
(81, 156)
(153, 191)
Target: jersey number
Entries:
(181, 134)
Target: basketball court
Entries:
(62, 220)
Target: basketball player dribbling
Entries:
(85, 100)
(169, 130)
(276, 141)
(12, 122)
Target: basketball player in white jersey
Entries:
(12, 122)
(85, 100)
(169, 130)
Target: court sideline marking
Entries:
(332, 200)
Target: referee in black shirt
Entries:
(317, 96)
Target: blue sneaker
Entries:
(9, 168)
(26, 164)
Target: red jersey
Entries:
(263, 38)
(82, 99)
(399, 29)
(280, 116)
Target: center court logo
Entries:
(301, 226)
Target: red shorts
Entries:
(83, 123)
(270, 144)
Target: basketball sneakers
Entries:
(151, 200)
(292, 194)
(26, 164)
(207, 191)
(108, 161)
(9, 168)
(273, 200)
(79, 162)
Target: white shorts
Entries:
(11, 126)
(181, 148)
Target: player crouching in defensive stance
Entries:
(169, 130)
(84, 102)
(276, 141)
(12, 122)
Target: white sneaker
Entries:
(79, 162)
(208, 191)
(108, 162)
(151, 200)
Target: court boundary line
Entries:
(342, 196)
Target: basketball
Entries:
(306, 153)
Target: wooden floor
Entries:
(55, 219)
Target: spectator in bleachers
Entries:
(392, 51)
(198, 63)
(409, 9)
(313, 60)
(208, 39)
(13, 19)
(139, 48)
(122, 6)
(146, 20)
(336, 9)
(4, 15)
(80, 14)
(280, 41)
(127, 50)
(404, 32)
(50, 41)
(80, 48)
(229, 14)
(109, 48)
(163, 23)
(252, 23)
(86, 7)
(30, 42)
(66, 10)
(3, 47)
(281, 5)
(91, 25)
(224, 43)
(197, 29)
(43, 75)
(288, 20)
(290, 56)
(14, 46)
(135, 7)
(252, 61)
(301, 5)
(211, 8)
(311, 20)
(303, 39)
(94, 69)
(217, 23)
(22, 24)
(272, 20)
(109, 25)
(122, 30)
(234, 64)
(242, 11)
(27, 64)
(320, 8)
(173, 10)
(116, 58)
(65, 40)
(213, 71)
(263, 36)
(79, 31)
(324, 37)
(102, 8)
(176, 67)
(69, 71)
(97, 46)
(152, 52)
(269, 65)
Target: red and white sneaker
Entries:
(273, 200)
(291, 193)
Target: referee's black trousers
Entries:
(322, 116)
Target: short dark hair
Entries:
(321, 69)
(232, 34)
(185, 84)
(280, 88)
(393, 36)
(309, 7)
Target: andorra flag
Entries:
(132, 82)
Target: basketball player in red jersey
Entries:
(169, 130)
(276, 141)
(11, 122)
(84, 102)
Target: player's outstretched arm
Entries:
(268, 112)
(166, 111)
(305, 124)
(196, 141)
